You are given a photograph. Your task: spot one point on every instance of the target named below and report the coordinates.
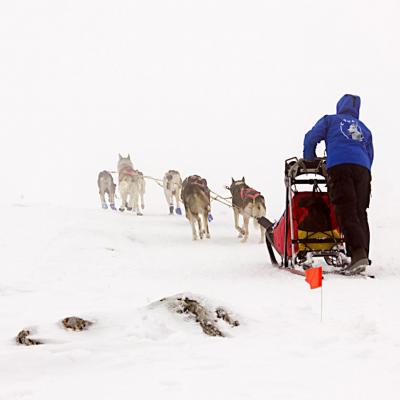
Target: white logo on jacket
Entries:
(351, 130)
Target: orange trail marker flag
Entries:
(314, 277)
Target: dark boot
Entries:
(359, 262)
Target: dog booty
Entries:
(112, 206)
(104, 206)
(210, 217)
(171, 209)
(178, 211)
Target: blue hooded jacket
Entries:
(347, 139)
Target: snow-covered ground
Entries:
(108, 267)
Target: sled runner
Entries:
(308, 228)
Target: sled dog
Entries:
(196, 200)
(131, 186)
(172, 184)
(106, 184)
(248, 203)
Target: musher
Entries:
(350, 154)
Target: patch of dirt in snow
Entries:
(198, 309)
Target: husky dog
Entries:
(172, 184)
(106, 184)
(131, 185)
(248, 203)
(196, 199)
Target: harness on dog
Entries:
(249, 193)
(130, 171)
(198, 180)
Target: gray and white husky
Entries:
(248, 203)
(196, 199)
(106, 184)
(131, 185)
(172, 184)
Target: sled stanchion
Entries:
(291, 223)
(285, 255)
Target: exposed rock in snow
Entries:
(225, 316)
(22, 338)
(76, 323)
(197, 309)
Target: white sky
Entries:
(218, 88)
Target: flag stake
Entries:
(314, 279)
(321, 303)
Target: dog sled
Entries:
(308, 229)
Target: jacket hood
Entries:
(349, 104)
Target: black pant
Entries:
(349, 187)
